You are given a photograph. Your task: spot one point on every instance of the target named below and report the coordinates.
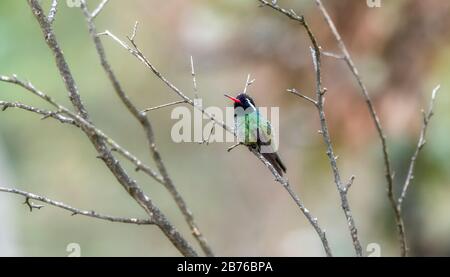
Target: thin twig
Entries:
(45, 113)
(350, 183)
(28, 86)
(291, 14)
(163, 106)
(248, 83)
(73, 210)
(420, 144)
(295, 92)
(333, 55)
(207, 140)
(194, 81)
(99, 8)
(31, 205)
(136, 52)
(134, 32)
(233, 146)
(53, 10)
(320, 92)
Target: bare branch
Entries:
(312, 220)
(207, 140)
(78, 121)
(234, 146)
(291, 14)
(295, 92)
(388, 169)
(99, 8)
(100, 145)
(332, 157)
(53, 10)
(148, 129)
(163, 106)
(194, 81)
(350, 183)
(320, 92)
(333, 55)
(248, 83)
(31, 205)
(61, 63)
(426, 120)
(45, 113)
(133, 34)
(136, 52)
(73, 210)
(28, 86)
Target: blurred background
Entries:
(402, 50)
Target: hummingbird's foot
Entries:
(234, 146)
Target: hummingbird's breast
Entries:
(246, 127)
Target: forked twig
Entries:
(71, 209)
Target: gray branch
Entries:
(98, 9)
(71, 209)
(248, 83)
(319, 103)
(45, 113)
(77, 121)
(307, 98)
(420, 144)
(388, 168)
(104, 153)
(163, 106)
(312, 220)
(194, 80)
(148, 129)
(53, 10)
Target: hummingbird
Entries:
(253, 130)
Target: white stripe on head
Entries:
(250, 103)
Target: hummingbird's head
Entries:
(242, 100)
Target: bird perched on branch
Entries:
(254, 130)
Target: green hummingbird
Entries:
(253, 130)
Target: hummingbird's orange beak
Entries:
(235, 100)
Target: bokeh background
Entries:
(402, 50)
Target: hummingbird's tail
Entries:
(276, 162)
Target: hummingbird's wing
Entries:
(264, 132)
(267, 144)
(254, 129)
